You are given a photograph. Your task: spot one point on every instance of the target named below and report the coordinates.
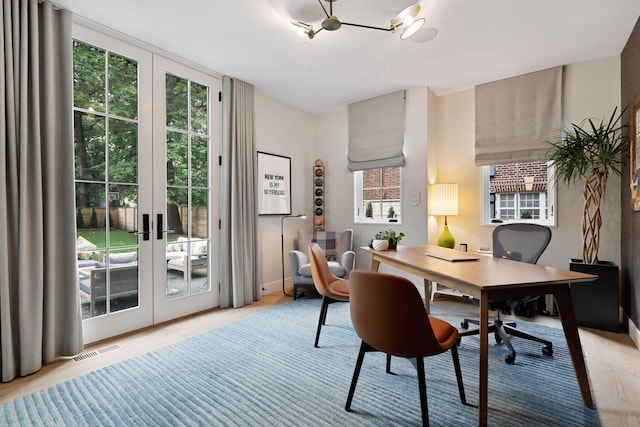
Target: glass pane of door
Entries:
(187, 187)
(189, 128)
(106, 134)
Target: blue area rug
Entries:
(264, 371)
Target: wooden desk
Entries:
(490, 279)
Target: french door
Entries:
(146, 134)
(186, 145)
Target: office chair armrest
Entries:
(348, 262)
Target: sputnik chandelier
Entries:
(405, 22)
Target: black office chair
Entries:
(518, 242)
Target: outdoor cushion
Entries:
(123, 258)
(84, 248)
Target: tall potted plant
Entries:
(591, 152)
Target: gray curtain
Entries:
(376, 132)
(517, 117)
(39, 297)
(238, 247)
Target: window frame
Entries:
(359, 217)
(552, 201)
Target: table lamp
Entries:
(444, 202)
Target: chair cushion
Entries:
(195, 260)
(445, 333)
(335, 267)
(84, 248)
(339, 290)
(123, 258)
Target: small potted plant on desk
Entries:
(389, 236)
(590, 153)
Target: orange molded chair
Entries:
(332, 288)
(388, 314)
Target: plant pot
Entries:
(380, 245)
(597, 303)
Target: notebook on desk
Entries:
(450, 255)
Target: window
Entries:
(378, 195)
(514, 192)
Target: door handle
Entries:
(160, 232)
(145, 228)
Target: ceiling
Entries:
(478, 41)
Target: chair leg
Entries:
(364, 347)
(517, 333)
(388, 364)
(321, 319)
(456, 366)
(326, 309)
(510, 358)
(422, 385)
(295, 292)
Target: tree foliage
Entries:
(106, 134)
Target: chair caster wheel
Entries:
(464, 324)
(547, 351)
(510, 359)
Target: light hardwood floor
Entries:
(612, 359)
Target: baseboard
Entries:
(271, 287)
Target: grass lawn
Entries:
(117, 238)
(97, 236)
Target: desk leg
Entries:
(375, 264)
(568, 318)
(427, 295)
(484, 361)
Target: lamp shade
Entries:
(444, 199)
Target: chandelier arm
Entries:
(325, 10)
(367, 26)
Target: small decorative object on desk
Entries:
(390, 236)
(463, 247)
(380, 244)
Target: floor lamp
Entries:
(282, 244)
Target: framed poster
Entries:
(634, 158)
(274, 184)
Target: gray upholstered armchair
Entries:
(337, 247)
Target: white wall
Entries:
(287, 131)
(591, 90)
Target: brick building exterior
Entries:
(381, 188)
(514, 177)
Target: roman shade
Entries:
(517, 117)
(376, 132)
